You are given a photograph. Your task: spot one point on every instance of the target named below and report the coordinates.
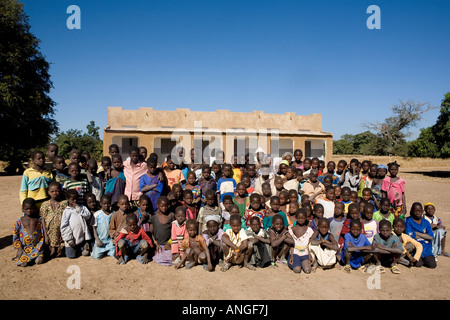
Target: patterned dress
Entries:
(52, 221)
(31, 244)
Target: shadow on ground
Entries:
(435, 174)
(5, 242)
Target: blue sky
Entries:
(242, 55)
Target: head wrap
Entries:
(213, 217)
(428, 204)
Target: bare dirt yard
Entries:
(105, 279)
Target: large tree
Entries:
(26, 110)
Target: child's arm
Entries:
(98, 242)
(263, 240)
(424, 236)
(314, 240)
(66, 231)
(352, 248)
(379, 248)
(227, 241)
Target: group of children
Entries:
(256, 214)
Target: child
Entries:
(438, 230)
(188, 203)
(118, 217)
(59, 172)
(253, 174)
(216, 171)
(241, 199)
(353, 214)
(273, 211)
(370, 225)
(133, 242)
(174, 176)
(384, 212)
(74, 228)
(279, 242)
(245, 179)
(278, 182)
(104, 245)
(367, 196)
(91, 203)
(323, 246)
(346, 192)
(266, 195)
(161, 230)
(225, 208)
(337, 221)
(234, 209)
(300, 236)
(193, 249)
(52, 152)
(94, 179)
(213, 238)
(341, 167)
(284, 198)
(292, 211)
(393, 188)
(318, 214)
(259, 245)
(419, 229)
(357, 250)
(377, 183)
(328, 202)
(388, 248)
(51, 211)
(76, 182)
(313, 187)
(290, 181)
(366, 181)
(237, 173)
(226, 184)
(29, 235)
(206, 182)
(297, 161)
(337, 193)
(151, 184)
(255, 209)
(191, 184)
(143, 212)
(235, 245)
(409, 245)
(35, 180)
(178, 233)
(208, 209)
(365, 167)
(352, 176)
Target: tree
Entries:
(392, 130)
(26, 110)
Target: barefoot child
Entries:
(278, 234)
(118, 217)
(161, 230)
(409, 245)
(51, 211)
(29, 235)
(438, 228)
(213, 239)
(178, 234)
(357, 250)
(235, 245)
(323, 246)
(259, 245)
(300, 236)
(103, 245)
(388, 248)
(208, 209)
(393, 188)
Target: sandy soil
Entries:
(106, 280)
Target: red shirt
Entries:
(134, 238)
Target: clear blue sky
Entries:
(277, 56)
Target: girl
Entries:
(35, 180)
(438, 230)
(29, 235)
(393, 188)
(290, 181)
(273, 211)
(206, 182)
(151, 184)
(178, 233)
(143, 212)
(256, 208)
(103, 245)
(51, 211)
(377, 183)
(299, 236)
(208, 209)
(297, 161)
(161, 228)
(115, 185)
(241, 199)
(235, 245)
(191, 184)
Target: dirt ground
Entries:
(106, 280)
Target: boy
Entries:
(328, 202)
(255, 209)
(208, 209)
(388, 248)
(369, 224)
(103, 243)
(353, 215)
(384, 213)
(226, 184)
(60, 173)
(357, 249)
(409, 245)
(259, 245)
(118, 217)
(278, 235)
(345, 194)
(133, 242)
(76, 182)
(337, 221)
(174, 176)
(188, 203)
(440, 234)
(94, 179)
(235, 245)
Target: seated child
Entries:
(259, 245)
(409, 245)
(51, 211)
(179, 233)
(213, 238)
(300, 236)
(274, 210)
(208, 209)
(133, 242)
(318, 214)
(323, 246)
(420, 229)
(143, 212)
(74, 228)
(439, 231)
(103, 245)
(356, 250)
(194, 249)
(278, 235)
(256, 208)
(235, 245)
(29, 235)
(388, 248)
(370, 225)
(161, 231)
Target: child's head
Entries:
(393, 168)
(106, 163)
(384, 205)
(278, 182)
(151, 166)
(86, 155)
(361, 205)
(180, 214)
(255, 224)
(275, 204)
(75, 156)
(321, 165)
(54, 190)
(234, 209)
(284, 197)
(365, 166)
(355, 228)
(212, 223)
(210, 197)
(385, 229)
(163, 204)
(341, 166)
(91, 201)
(134, 154)
(354, 196)
(190, 178)
(291, 171)
(122, 202)
(113, 149)
(337, 192)
(382, 171)
(92, 166)
(299, 174)
(429, 208)
(227, 202)
(399, 226)
(266, 189)
(38, 158)
(251, 170)
(304, 201)
(73, 170)
(170, 163)
(331, 166)
(143, 153)
(145, 204)
(105, 203)
(245, 179)
(216, 168)
(298, 155)
(330, 193)
(307, 164)
(339, 208)
(313, 174)
(131, 221)
(293, 207)
(206, 172)
(52, 151)
(353, 211)
(59, 163)
(367, 194)
(277, 222)
(416, 211)
(345, 194)
(327, 180)
(116, 160)
(72, 197)
(255, 201)
(282, 168)
(323, 226)
(318, 211)
(241, 190)
(235, 223)
(315, 163)
(302, 217)
(368, 211)
(293, 196)
(29, 207)
(188, 197)
(227, 170)
(178, 190)
(373, 170)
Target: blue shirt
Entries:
(226, 186)
(411, 227)
(357, 257)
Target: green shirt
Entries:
(377, 216)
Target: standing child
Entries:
(259, 245)
(192, 185)
(292, 211)
(388, 248)
(225, 207)
(393, 188)
(51, 211)
(323, 246)
(439, 231)
(35, 180)
(59, 172)
(357, 250)
(188, 203)
(94, 179)
(297, 161)
(208, 209)
(328, 202)
(118, 217)
(290, 181)
(29, 235)
(255, 209)
(278, 182)
(151, 184)
(226, 184)
(179, 233)
(352, 176)
(245, 179)
(103, 245)
(174, 176)
(241, 199)
(235, 245)
(273, 211)
(366, 181)
(74, 227)
(370, 225)
(206, 182)
(345, 194)
(143, 212)
(161, 230)
(76, 182)
(300, 236)
(266, 195)
(377, 183)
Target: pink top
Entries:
(394, 190)
(132, 176)
(179, 233)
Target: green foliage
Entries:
(76, 139)
(424, 146)
(26, 110)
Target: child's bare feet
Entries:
(226, 266)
